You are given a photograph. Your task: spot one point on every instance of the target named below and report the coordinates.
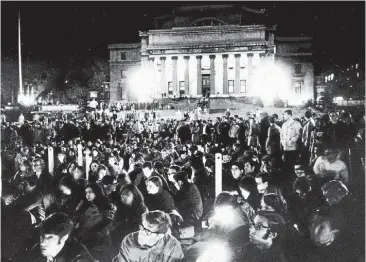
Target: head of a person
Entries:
(24, 151)
(267, 229)
(153, 185)
(154, 226)
(130, 195)
(333, 115)
(334, 192)
(181, 179)
(67, 185)
(272, 203)
(301, 186)
(248, 186)
(262, 180)
(61, 157)
(123, 179)
(325, 226)
(331, 154)
(93, 192)
(300, 170)
(25, 166)
(54, 232)
(147, 168)
(225, 200)
(94, 165)
(172, 171)
(78, 172)
(287, 114)
(102, 172)
(109, 184)
(38, 165)
(249, 165)
(308, 114)
(237, 170)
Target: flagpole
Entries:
(20, 93)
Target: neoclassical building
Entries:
(220, 50)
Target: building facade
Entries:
(211, 50)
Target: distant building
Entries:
(217, 50)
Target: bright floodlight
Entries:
(141, 84)
(225, 215)
(215, 252)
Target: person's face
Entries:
(259, 230)
(65, 190)
(89, 194)
(127, 197)
(286, 116)
(89, 143)
(25, 151)
(248, 168)
(50, 243)
(333, 117)
(261, 186)
(152, 189)
(236, 172)
(70, 143)
(95, 153)
(245, 193)
(23, 168)
(147, 236)
(300, 173)
(331, 156)
(37, 167)
(322, 234)
(94, 167)
(112, 161)
(147, 171)
(171, 174)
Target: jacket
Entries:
(290, 135)
(273, 142)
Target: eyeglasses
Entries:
(147, 231)
(259, 226)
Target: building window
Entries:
(243, 86)
(123, 55)
(297, 88)
(298, 68)
(170, 88)
(182, 88)
(331, 76)
(123, 74)
(231, 86)
(326, 79)
(358, 74)
(356, 66)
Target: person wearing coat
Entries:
(273, 142)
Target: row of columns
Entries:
(163, 82)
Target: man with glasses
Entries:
(153, 242)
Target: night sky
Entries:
(57, 31)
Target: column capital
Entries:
(199, 57)
(212, 56)
(186, 57)
(262, 55)
(162, 58)
(250, 55)
(174, 57)
(152, 59)
(225, 56)
(237, 55)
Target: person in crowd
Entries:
(328, 167)
(273, 142)
(337, 131)
(72, 195)
(188, 199)
(153, 242)
(250, 167)
(56, 242)
(250, 194)
(159, 198)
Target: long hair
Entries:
(183, 177)
(101, 201)
(138, 202)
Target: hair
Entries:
(103, 167)
(329, 215)
(274, 201)
(308, 114)
(147, 164)
(27, 164)
(263, 176)
(248, 183)
(276, 224)
(209, 162)
(175, 167)
(272, 119)
(225, 199)
(138, 202)
(156, 181)
(302, 184)
(240, 165)
(183, 177)
(57, 224)
(158, 219)
(101, 201)
(41, 161)
(69, 182)
(288, 111)
(275, 116)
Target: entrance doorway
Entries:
(205, 85)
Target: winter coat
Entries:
(290, 135)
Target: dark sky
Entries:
(57, 31)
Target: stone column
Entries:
(250, 70)
(175, 77)
(199, 75)
(163, 87)
(225, 76)
(186, 76)
(262, 57)
(237, 74)
(212, 74)
(152, 72)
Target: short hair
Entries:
(272, 119)
(264, 176)
(225, 199)
(248, 183)
(302, 184)
(147, 164)
(308, 114)
(276, 222)
(156, 181)
(275, 116)
(158, 219)
(57, 224)
(209, 162)
(239, 164)
(288, 111)
(250, 161)
(327, 215)
(274, 201)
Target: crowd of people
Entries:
(289, 192)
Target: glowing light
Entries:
(216, 252)
(141, 83)
(224, 215)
